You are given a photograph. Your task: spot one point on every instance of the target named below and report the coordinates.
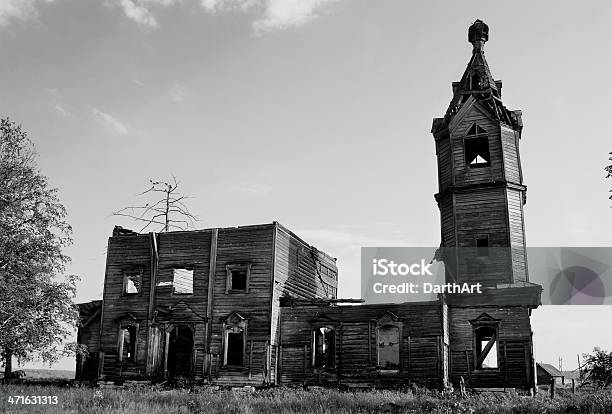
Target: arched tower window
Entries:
(476, 144)
(475, 82)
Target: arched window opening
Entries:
(388, 346)
(324, 347)
(127, 344)
(486, 347)
(234, 340)
(235, 346)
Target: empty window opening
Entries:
(476, 82)
(131, 283)
(477, 152)
(238, 277)
(388, 347)
(486, 347)
(476, 130)
(482, 247)
(180, 351)
(324, 347)
(234, 343)
(182, 281)
(127, 344)
(480, 130)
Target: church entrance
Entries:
(180, 352)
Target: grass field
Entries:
(281, 400)
(45, 373)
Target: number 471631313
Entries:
(32, 399)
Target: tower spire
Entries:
(478, 82)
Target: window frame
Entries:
(485, 321)
(379, 366)
(132, 327)
(127, 273)
(388, 319)
(313, 345)
(229, 268)
(233, 321)
(478, 134)
(189, 268)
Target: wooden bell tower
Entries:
(481, 197)
(481, 192)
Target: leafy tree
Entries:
(37, 312)
(598, 367)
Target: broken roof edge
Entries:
(119, 231)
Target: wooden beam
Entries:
(212, 264)
(154, 266)
(251, 359)
(485, 352)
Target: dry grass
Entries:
(282, 400)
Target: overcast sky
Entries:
(314, 113)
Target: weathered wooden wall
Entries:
(481, 202)
(515, 364)
(125, 253)
(191, 250)
(280, 265)
(421, 348)
(88, 334)
(253, 245)
(301, 272)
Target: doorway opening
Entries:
(180, 352)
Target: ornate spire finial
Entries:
(478, 34)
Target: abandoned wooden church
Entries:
(257, 305)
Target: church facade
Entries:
(257, 305)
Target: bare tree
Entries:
(167, 210)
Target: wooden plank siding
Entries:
(125, 253)
(513, 347)
(462, 173)
(356, 348)
(445, 165)
(298, 274)
(252, 245)
(510, 147)
(483, 213)
(517, 235)
(88, 334)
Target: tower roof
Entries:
(477, 81)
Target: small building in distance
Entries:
(547, 373)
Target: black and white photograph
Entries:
(305, 206)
